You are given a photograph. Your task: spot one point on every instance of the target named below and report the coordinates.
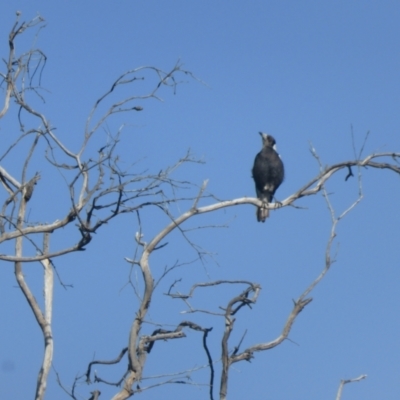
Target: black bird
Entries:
(268, 173)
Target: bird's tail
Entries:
(262, 214)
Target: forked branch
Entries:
(344, 382)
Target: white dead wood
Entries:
(344, 382)
(99, 191)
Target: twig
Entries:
(345, 381)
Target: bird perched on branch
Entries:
(268, 173)
(28, 189)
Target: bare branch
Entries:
(106, 362)
(345, 381)
(95, 395)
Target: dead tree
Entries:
(99, 190)
(140, 345)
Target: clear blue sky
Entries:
(303, 71)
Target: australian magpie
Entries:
(268, 173)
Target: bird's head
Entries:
(268, 140)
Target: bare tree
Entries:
(99, 189)
(93, 202)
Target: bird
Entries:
(268, 173)
(28, 187)
(29, 190)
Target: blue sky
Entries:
(303, 71)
